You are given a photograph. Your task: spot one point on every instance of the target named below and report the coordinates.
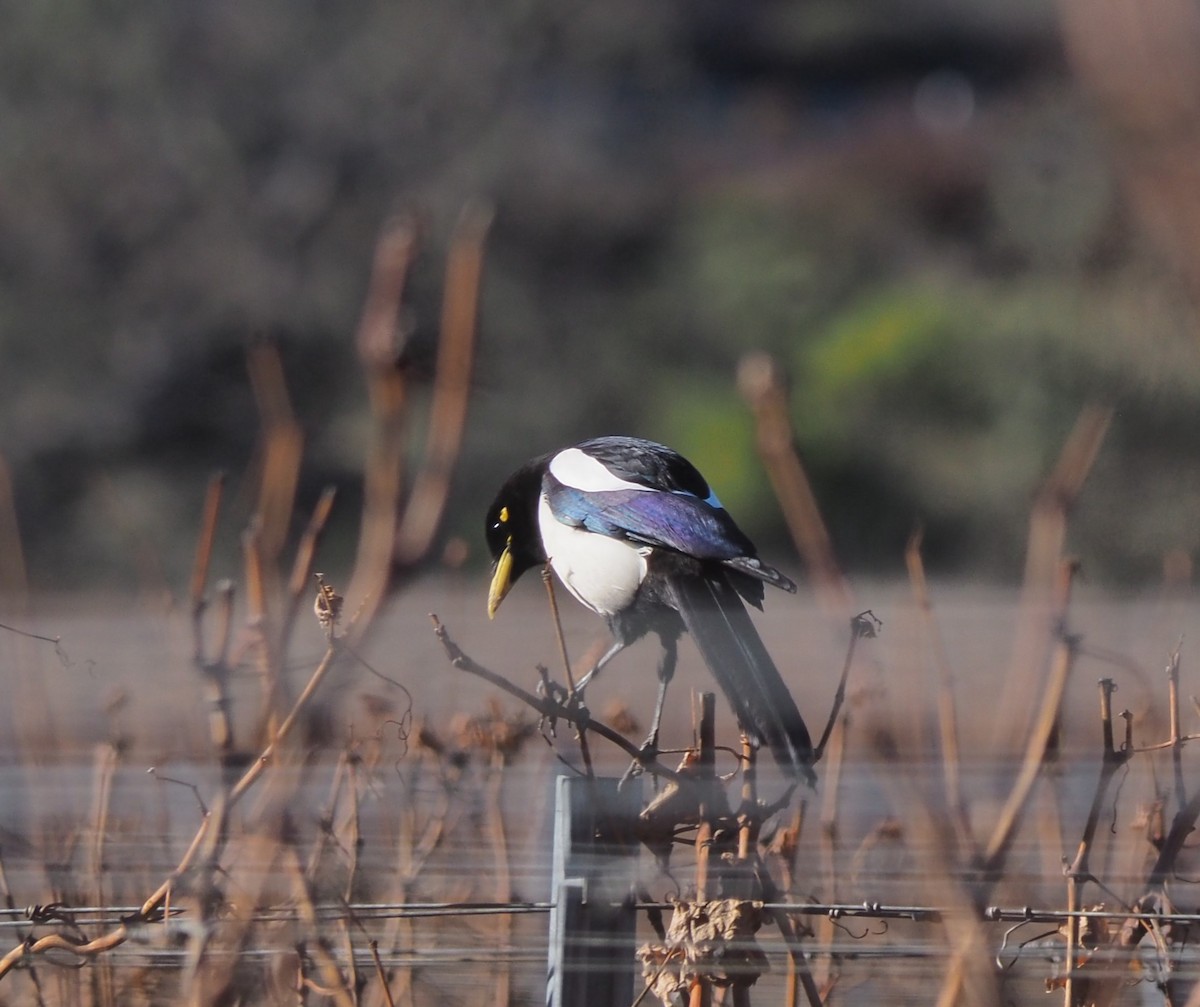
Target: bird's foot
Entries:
(646, 754)
(569, 703)
(549, 689)
(580, 716)
(576, 708)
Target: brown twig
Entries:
(149, 911)
(451, 387)
(762, 385)
(300, 584)
(1039, 739)
(585, 751)
(1106, 977)
(548, 583)
(204, 551)
(282, 451)
(862, 625)
(701, 986)
(257, 618)
(1043, 560)
(947, 713)
(152, 907)
(333, 984)
(380, 343)
(1079, 871)
(214, 672)
(798, 967)
(494, 825)
(707, 778)
(11, 905)
(285, 727)
(1176, 729)
(748, 820)
(549, 708)
(830, 801)
(396, 534)
(961, 968)
(1112, 758)
(107, 759)
(373, 947)
(412, 854)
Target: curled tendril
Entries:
(1020, 946)
(1112, 825)
(51, 912)
(163, 778)
(403, 731)
(404, 722)
(834, 918)
(59, 650)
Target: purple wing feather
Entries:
(676, 521)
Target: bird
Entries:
(636, 534)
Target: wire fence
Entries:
(109, 915)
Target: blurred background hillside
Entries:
(954, 224)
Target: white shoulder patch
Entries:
(582, 472)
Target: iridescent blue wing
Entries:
(676, 521)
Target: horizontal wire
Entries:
(97, 915)
(112, 915)
(934, 914)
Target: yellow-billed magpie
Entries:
(634, 532)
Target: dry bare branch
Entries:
(451, 387)
(763, 387)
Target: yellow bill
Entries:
(501, 580)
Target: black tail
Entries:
(734, 652)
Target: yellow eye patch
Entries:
(504, 515)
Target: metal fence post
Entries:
(592, 922)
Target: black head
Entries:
(512, 531)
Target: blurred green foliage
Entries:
(708, 423)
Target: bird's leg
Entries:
(618, 646)
(572, 699)
(666, 671)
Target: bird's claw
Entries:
(635, 770)
(570, 703)
(580, 715)
(549, 689)
(646, 754)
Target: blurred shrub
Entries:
(946, 406)
(675, 185)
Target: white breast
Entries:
(601, 572)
